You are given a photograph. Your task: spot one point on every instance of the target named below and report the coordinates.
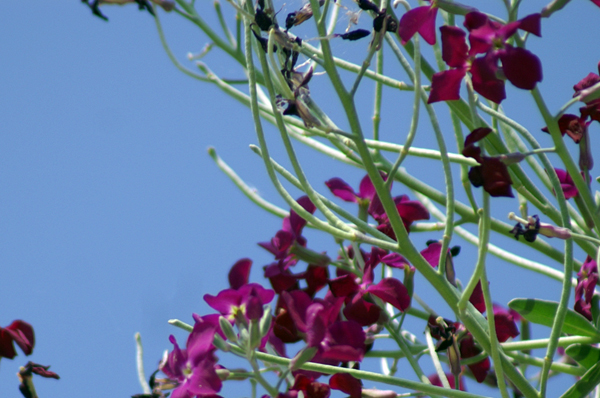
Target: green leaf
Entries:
(542, 312)
(585, 385)
(585, 355)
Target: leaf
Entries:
(585, 385)
(585, 355)
(542, 312)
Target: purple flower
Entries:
(587, 278)
(240, 273)
(522, 68)
(504, 321)
(566, 183)
(193, 369)
(409, 211)
(468, 349)
(19, 332)
(241, 304)
(309, 387)
(341, 189)
(419, 19)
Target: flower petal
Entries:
(445, 85)
(521, 67)
(419, 19)
(341, 189)
(391, 291)
(455, 50)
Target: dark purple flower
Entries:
(572, 125)
(19, 332)
(493, 173)
(468, 349)
(587, 278)
(419, 19)
(347, 384)
(26, 373)
(522, 68)
(309, 387)
(409, 210)
(504, 321)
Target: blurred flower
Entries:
(246, 302)
(25, 377)
(419, 19)
(347, 384)
(587, 278)
(504, 321)
(435, 380)
(19, 332)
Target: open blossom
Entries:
(247, 301)
(192, 369)
(519, 66)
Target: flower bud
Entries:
(265, 321)
(228, 329)
(220, 343)
(375, 393)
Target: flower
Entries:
(192, 369)
(505, 323)
(566, 183)
(19, 332)
(419, 19)
(435, 380)
(493, 173)
(347, 384)
(519, 66)
(247, 301)
(240, 273)
(587, 277)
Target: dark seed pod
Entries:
(368, 6)
(355, 34)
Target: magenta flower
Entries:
(409, 211)
(342, 190)
(355, 291)
(522, 68)
(239, 274)
(419, 19)
(192, 369)
(566, 183)
(19, 332)
(245, 303)
(492, 173)
(587, 278)
(290, 234)
(316, 321)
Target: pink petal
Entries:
(485, 82)
(419, 19)
(240, 273)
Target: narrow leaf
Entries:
(542, 312)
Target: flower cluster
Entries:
(488, 47)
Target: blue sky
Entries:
(113, 217)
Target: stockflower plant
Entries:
(390, 309)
